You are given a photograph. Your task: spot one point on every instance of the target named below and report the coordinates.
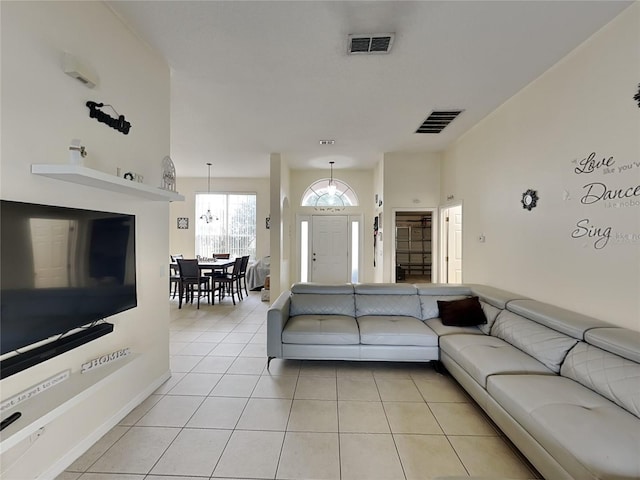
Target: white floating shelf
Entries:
(93, 178)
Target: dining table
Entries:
(220, 265)
(208, 266)
(216, 265)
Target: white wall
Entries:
(183, 241)
(411, 180)
(378, 189)
(583, 104)
(42, 110)
(281, 224)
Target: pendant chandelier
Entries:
(207, 217)
(332, 186)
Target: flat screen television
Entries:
(61, 269)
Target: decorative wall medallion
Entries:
(183, 223)
(529, 199)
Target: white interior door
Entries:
(330, 249)
(454, 244)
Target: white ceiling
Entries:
(249, 78)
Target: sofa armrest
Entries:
(277, 317)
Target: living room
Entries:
(578, 248)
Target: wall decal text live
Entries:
(590, 164)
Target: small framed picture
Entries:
(183, 223)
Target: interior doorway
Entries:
(451, 219)
(413, 246)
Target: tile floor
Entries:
(223, 415)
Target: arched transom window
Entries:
(322, 197)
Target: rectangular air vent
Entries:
(438, 119)
(370, 43)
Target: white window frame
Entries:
(222, 216)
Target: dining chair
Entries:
(191, 281)
(242, 277)
(174, 280)
(229, 282)
(174, 275)
(222, 256)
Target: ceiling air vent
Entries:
(370, 43)
(438, 119)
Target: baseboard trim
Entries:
(76, 452)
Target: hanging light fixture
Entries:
(332, 186)
(207, 217)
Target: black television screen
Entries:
(60, 269)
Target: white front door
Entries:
(454, 244)
(330, 249)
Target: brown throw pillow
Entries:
(461, 313)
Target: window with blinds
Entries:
(231, 228)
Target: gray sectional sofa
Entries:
(564, 387)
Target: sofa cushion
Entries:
(612, 376)
(323, 288)
(443, 289)
(395, 330)
(620, 341)
(564, 321)
(490, 313)
(429, 304)
(482, 355)
(321, 304)
(587, 434)
(436, 325)
(385, 289)
(321, 329)
(466, 312)
(402, 305)
(544, 344)
(494, 296)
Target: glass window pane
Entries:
(304, 251)
(231, 227)
(355, 254)
(317, 195)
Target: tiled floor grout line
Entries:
(393, 438)
(129, 427)
(379, 373)
(338, 430)
(233, 430)
(442, 428)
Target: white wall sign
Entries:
(35, 390)
(105, 359)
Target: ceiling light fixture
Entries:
(332, 186)
(207, 217)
